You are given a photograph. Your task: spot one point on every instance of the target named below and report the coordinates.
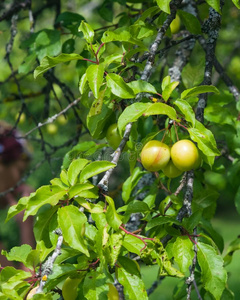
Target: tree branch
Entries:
(48, 265)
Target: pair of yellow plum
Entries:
(182, 156)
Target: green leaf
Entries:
(186, 110)
(190, 21)
(237, 200)
(218, 114)
(161, 109)
(199, 90)
(141, 86)
(137, 206)
(106, 10)
(234, 246)
(95, 168)
(49, 62)
(82, 83)
(95, 78)
(87, 31)
(160, 221)
(166, 81)
(204, 138)
(119, 87)
(75, 168)
(71, 221)
(28, 63)
(168, 89)
(21, 205)
(130, 183)
(68, 46)
(136, 110)
(68, 19)
(236, 3)
(80, 189)
(95, 286)
(182, 251)
(115, 241)
(113, 218)
(214, 4)
(216, 237)
(131, 114)
(33, 259)
(129, 276)
(97, 122)
(46, 194)
(97, 104)
(133, 244)
(18, 253)
(192, 74)
(164, 5)
(214, 276)
(121, 35)
(112, 58)
(42, 225)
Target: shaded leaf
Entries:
(49, 62)
(190, 21)
(129, 276)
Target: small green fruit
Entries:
(171, 171)
(52, 129)
(112, 293)
(113, 137)
(175, 25)
(70, 288)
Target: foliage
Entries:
(93, 222)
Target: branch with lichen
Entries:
(46, 268)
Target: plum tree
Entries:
(155, 155)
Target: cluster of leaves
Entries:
(97, 247)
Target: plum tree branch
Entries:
(46, 269)
(103, 184)
(211, 26)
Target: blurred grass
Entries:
(228, 226)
